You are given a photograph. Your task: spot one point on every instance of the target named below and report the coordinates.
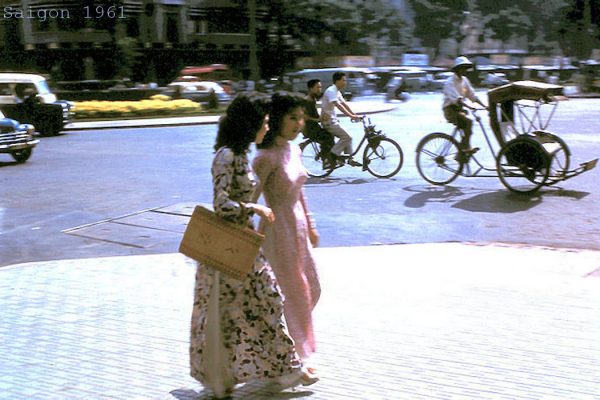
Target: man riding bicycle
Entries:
(312, 128)
(332, 99)
(456, 89)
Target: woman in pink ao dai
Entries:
(290, 238)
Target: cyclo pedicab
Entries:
(529, 156)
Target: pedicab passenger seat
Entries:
(501, 102)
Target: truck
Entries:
(27, 98)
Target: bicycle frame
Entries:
(468, 171)
(368, 131)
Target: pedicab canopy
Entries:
(501, 101)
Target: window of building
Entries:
(172, 29)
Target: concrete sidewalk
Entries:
(423, 321)
(362, 107)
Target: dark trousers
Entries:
(457, 116)
(321, 136)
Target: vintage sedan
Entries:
(197, 91)
(16, 139)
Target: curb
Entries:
(180, 121)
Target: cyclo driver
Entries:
(456, 89)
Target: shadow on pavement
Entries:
(249, 391)
(503, 201)
(574, 194)
(344, 181)
(431, 194)
(500, 201)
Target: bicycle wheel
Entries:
(383, 157)
(313, 160)
(436, 158)
(523, 166)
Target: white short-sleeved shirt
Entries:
(457, 87)
(328, 109)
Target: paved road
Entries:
(85, 177)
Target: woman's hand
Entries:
(313, 235)
(264, 212)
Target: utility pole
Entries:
(253, 61)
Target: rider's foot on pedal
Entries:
(465, 153)
(338, 161)
(354, 163)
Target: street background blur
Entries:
(126, 49)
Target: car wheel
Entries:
(22, 155)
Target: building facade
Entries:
(145, 40)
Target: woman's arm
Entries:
(223, 171)
(313, 234)
(262, 171)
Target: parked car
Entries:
(196, 91)
(28, 99)
(357, 80)
(439, 80)
(494, 79)
(16, 139)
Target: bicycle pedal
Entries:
(470, 152)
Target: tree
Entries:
(127, 54)
(343, 27)
(577, 28)
(508, 23)
(436, 20)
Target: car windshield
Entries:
(43, 87)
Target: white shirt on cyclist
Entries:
(457, 88)
(328, 104)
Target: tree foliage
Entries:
(343, 27)
(436, 20)
(577, 29)
(572, 24)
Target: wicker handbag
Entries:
(220, 244)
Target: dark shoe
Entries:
(354, 163)
(464, 155)
(337, 161)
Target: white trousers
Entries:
(344, 144)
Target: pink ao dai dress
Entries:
(287, 245)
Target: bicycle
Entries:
(382, 156)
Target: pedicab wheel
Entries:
(313, 160)
(383, 157)
(437, 155)
(559, 166)
(522, 166)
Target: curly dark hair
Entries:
(241, 122)
(281, 104)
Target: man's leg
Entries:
(325, 139)
(465, 123)
(344, 144)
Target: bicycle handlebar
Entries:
(476, 108)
